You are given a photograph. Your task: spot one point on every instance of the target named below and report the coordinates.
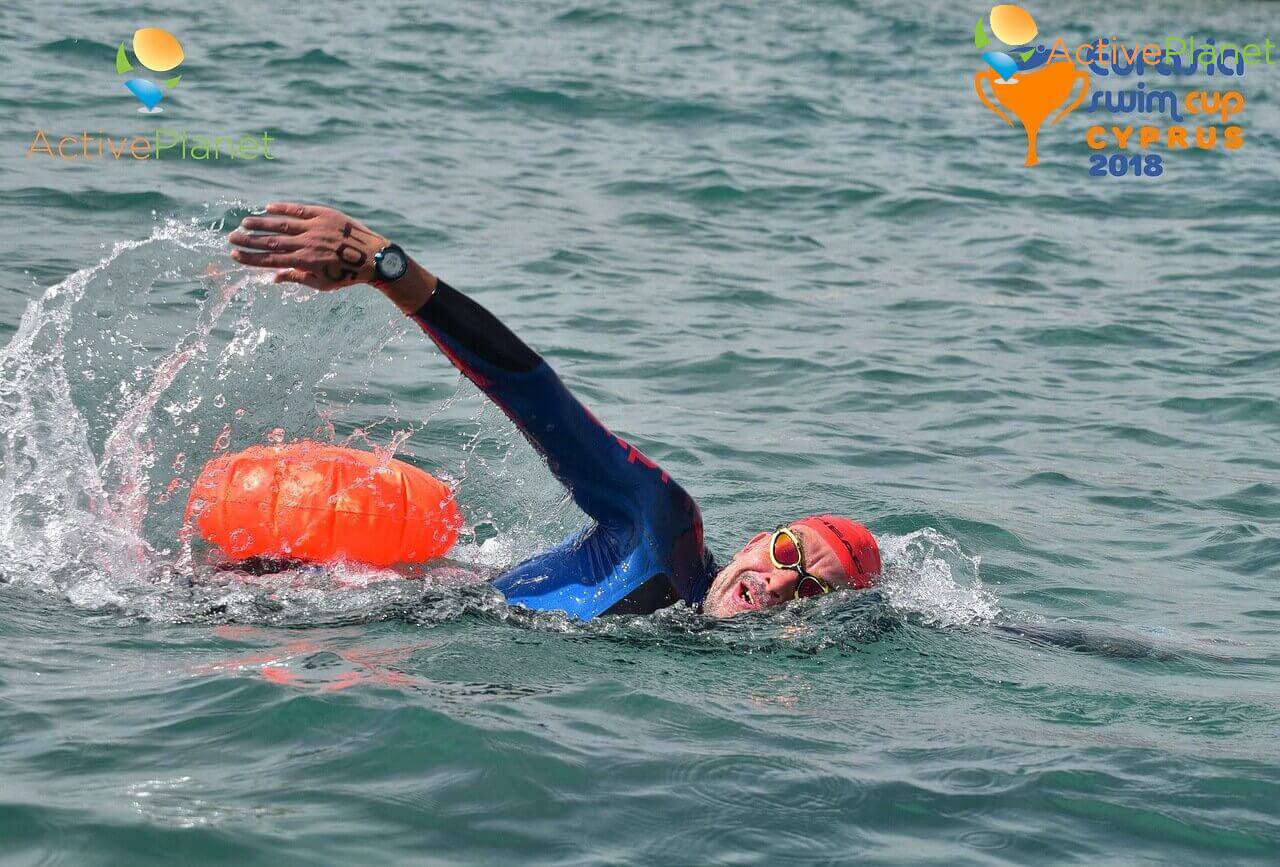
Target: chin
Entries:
(713, 607)
(719, 611)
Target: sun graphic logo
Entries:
(1030, 81)
(157, 50)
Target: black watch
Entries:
(390, 263)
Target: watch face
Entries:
(392, 264)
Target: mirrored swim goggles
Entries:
(786, 551)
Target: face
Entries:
(751, 582)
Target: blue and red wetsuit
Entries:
(645, 549)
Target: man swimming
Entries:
(645, 550)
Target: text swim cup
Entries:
(319, 503)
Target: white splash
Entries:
(123, 378)
(927, 575)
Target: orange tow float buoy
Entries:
(318, 503)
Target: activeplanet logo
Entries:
(157, 50)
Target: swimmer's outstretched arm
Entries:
(324, 249)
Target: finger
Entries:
(265, 242)
(283, 225)
(297, 275)
(293, 209)
(268, 260)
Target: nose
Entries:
(780, 585)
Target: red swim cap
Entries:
(853, 543)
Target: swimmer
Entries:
(644, 550)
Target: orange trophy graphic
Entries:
(1029, 91)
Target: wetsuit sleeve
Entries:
(609, 479)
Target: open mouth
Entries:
(744, 591)
(747, 594)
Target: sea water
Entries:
(784, 250)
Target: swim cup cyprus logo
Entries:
(157, 50)
(1030, 82)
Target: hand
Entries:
(308, 244)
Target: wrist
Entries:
(355, 255)
(411, 291)
(369, 270)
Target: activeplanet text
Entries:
(164, 144)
